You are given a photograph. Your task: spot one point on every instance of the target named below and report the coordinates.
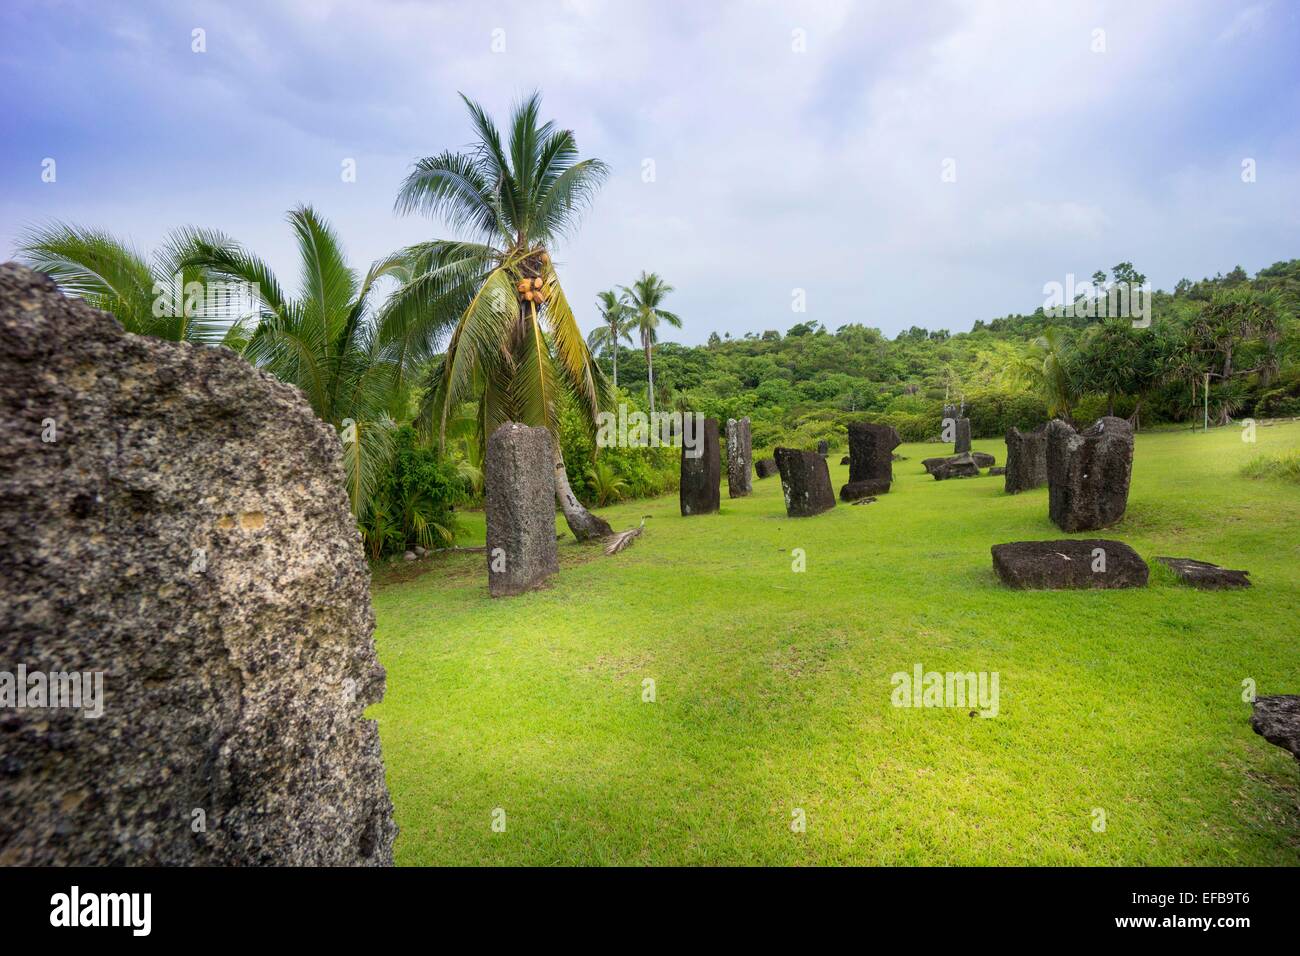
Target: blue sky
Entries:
(795, 145)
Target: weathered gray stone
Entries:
(961, 437)
(823, 448)
(930, 464)
(519, 497)
(184, 531)
(739, 455)
(1069, 563)
(1206, 576)
(844, 460)
(805, 481)
(701, 486)
(997, 471)
(1277, 720)
(1026, 460)
(765, 467)
(983, 459)
(1088, 473)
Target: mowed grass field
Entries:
(773, 693)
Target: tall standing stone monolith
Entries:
(179, 558)
(700, 491)
(1088, 473)
(805, 482)
(739, 454)
(871, 454)
(961, 436)
(519, 482)
(1026, 460)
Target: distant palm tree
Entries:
(1049, 367)
(162, 297)
(353, 368)
(645, 299)
(514, 346)
(616, 315)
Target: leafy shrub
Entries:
(414, 501)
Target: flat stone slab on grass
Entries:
(983, 459)
(701, 482)
(1069, 563)
(997, 471)
(765, 467)
(519, 503)
(1206, 576)
(806, 482)
(1277, 720)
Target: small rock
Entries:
(409, 556)
(765, 467)
(997, 471)
(1206, 576)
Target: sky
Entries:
(892, 164)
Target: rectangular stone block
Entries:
(739, 455)
(700, 491)
(519, 478)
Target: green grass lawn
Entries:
(773, 687)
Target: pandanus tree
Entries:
(163, 296)
(512, 343)
(1235, 336)
(614, 327)
(646, 298)
(353, 367)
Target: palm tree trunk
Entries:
(650, 376)
(613, 330)
(584, 525)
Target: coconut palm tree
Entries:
(160, 296)
(1049, 367)
(614, 312)
(512, 342)
(645, 299)
(354, 369)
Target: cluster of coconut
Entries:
(533, 290)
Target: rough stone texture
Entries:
(983, 459)
(701, 486)
(871, 468)
(1206, 576)
(844, 460)
(805, 481)
(997, 471)
(739, 455)
(930, 464)
(1026, 460)
(187, 534)
(1068, 563)
(867, 488)
(519, 498)
(961, 438)
(1088, 473)
(823, 448)
(765, 467)
(950, 412)
(958, 466)
(1277, 720)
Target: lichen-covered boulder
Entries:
(739, 455)
(1277, 720)
(1069, 563)
(519, 504)
(1026, 460)
(177, 522)
(700, 492)
(1204, 575)
(805, 482)
(765, 467)
(1088, 473)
